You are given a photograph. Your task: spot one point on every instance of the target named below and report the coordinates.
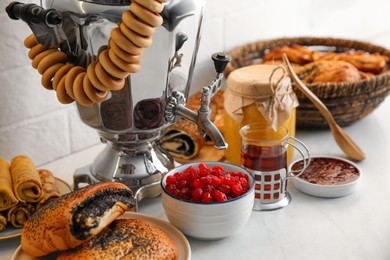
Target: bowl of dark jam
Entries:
(327, 176)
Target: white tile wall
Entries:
(32, 122)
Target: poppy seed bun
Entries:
(68, 221)
(126, 239)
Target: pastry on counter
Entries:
(18, 215)
(7, 197)
(3, 221)
(49, 188)
(183, 140)
(26, 182)
(126, 239)
(72, 219)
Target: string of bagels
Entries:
(92, 84)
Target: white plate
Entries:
(11, 232)
(176, 235)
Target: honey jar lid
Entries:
(255, 79)
(267, 86)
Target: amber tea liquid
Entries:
(263, 158)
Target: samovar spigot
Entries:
(202, 117)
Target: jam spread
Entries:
(328, 171)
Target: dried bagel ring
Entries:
(123, 65)
(70, 78)
(35, 50)
(62, 96)
(110, 67)
(78, 90)
(37, 59)
(153, 19)
(137, 39)
(51, 59)
(48, 75)
(137, 25)
(130, 58)
(92, 93)
(30, 41)
(153, 6)
(124, 43)
(107, 80)
(60, 74)
(94, 79)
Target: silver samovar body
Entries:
(130, 121)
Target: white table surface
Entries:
(353, 227)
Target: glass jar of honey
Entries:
(257, 94)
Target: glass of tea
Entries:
(264, 154)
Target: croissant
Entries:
(68, 221)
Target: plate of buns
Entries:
(23, 190)
(97, 222)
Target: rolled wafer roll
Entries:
(18, 215)
(49, 188)
(3, 221)
(7, 197)
(26, 182)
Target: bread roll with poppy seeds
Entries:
(72, 219)
(126, 239)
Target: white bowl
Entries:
(327, 190)
(208, 221)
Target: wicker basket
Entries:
(347, 101)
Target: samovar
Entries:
(131, 121)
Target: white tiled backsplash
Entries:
(34, 123)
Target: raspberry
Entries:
(243, 181)
(204, 170)
(237, 188)
(197, 194)
(224, 188)
(181, 184)
(171, 180)
(218, 195)
(206, 197)
(197, 183)
(218, 170)
(215, 181)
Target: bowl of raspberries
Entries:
(208, 200)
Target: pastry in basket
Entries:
(26, 182)
(329, 71)
(372, 63)
(126, 239)
(295, 54)
(183, 140)
(3, 221)
(72, 219)
(49, 188)
(7, 197)
(18, 215)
